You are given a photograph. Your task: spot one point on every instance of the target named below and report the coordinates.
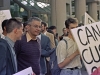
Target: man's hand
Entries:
(34, 73)
(76, 52)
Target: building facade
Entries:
(59, 10)
(62, 9)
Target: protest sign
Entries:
(27, 71)
(88, 19)
(4, 14)
(88, 41)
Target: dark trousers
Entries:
(48, 68)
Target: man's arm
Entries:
(68, 59)
(62, 55)
(47, 51)
(3, 51)
(52, 41)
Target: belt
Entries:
(73, 68)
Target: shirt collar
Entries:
(39, 36)
(2, 36)
(28, 37)
(67, 38)
(45, 33)
(9, 41)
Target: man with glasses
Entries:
(69, 58)
(28, 48)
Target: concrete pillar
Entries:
(4, 4)
(58, 10)
(80, 9)
(99, 11)
(92, 9)
(53, 12)
(1, 3)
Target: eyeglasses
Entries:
(35, 26)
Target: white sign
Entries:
(4, 14)
(88, 19)
(88, 41)
(27, 71)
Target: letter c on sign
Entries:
(84, 57)
(80, 38)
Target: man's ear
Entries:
(15, 30)
(4, 28)
(28, 27)
(67, 29)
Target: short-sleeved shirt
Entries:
(62, 52)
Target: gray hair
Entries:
(33, 18)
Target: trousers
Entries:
(70, 72)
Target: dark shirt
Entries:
(28, 54)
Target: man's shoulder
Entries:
(3, 41)
(64, 41)
(46, 37)
(49, 33)
(22, 38)
(21, 41)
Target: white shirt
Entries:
(62, 52)
(39, 36)
(2, 36)
(45, 33)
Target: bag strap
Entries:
(66, 43)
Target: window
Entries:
(73, 3)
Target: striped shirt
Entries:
(28, 54)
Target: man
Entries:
(28, 48)
(69, 59)
(52, 43)
(25, 27)
(45, 52)
(51, 36)
(54, 30)
(8, 63)
(4, 33)
(65, 33)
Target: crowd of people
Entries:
(34, 44)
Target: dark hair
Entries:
(33, 18)
(69, 21)
(12, 24)
(4, 23)
(52, 27)
(25, 24)
(63, 29)
(43, 23)
(50, 31)
(80, 24)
